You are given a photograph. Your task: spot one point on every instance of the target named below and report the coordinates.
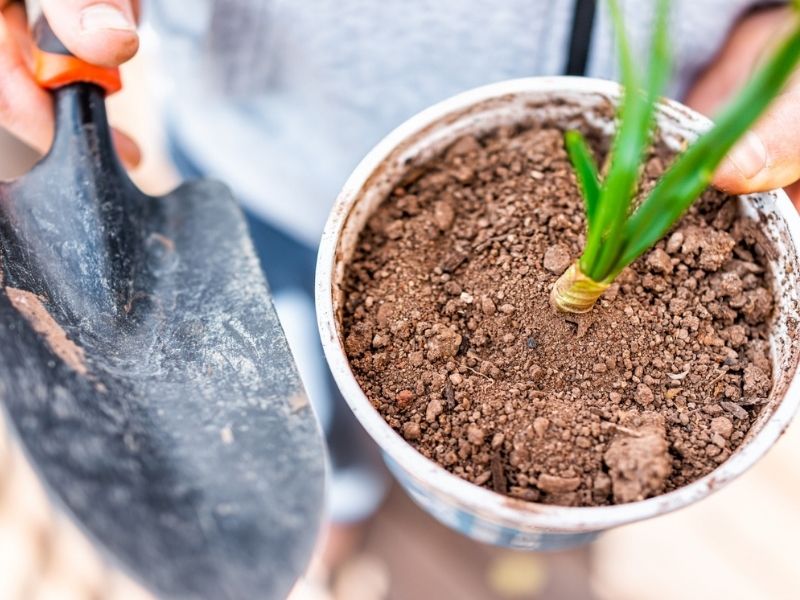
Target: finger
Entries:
(127, 149)
(26, 110)
(102, 33)
(768, 156)
(793, 191)
(17, 24)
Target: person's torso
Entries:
(280, 99)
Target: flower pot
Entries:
(474, 511)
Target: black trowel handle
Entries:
(55, 66)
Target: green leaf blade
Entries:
(586, 172)
(630, 145)
(611, 202)
(693, 170)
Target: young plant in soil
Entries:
(617, 232)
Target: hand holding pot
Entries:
(768, 157)
(101, 33)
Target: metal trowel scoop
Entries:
(143, 368)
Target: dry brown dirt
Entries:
(449, 330)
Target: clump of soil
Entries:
(450, 333)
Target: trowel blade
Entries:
(175, 432)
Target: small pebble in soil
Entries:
(411, 431)
(644, 395)
(722, 426)
(557, 259)
(675, 242)
(557, 485)
(404, 398)
(483, 478)
(488, 306)
(718, 440)
(475, 435)
(443, 214)
(540, 425)
(756, 382)
(659, 261)
(639, 465)
(444, 343)
(434, 410)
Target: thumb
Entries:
(768, 156)
(101, 33)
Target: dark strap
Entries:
(581, 37)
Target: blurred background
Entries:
(739, 543)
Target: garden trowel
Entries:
(143, 368)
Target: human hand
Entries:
(768, 156)
(101, 33)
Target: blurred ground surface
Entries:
(740, 543)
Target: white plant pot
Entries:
(474, 511)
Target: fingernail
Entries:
(103, 16)
(749, 156)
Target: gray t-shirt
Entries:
(280, 99)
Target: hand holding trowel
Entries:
(142, 366)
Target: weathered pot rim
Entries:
(518, 513)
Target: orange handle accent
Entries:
(53, 71)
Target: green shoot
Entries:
(617, 234)
(586, 170)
